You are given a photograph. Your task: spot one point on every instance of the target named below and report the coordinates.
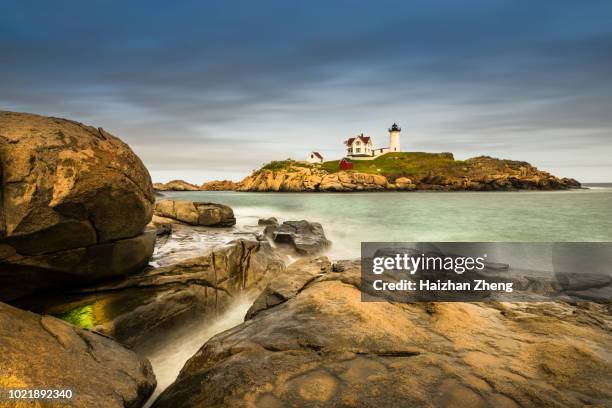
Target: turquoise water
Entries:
(350, 218)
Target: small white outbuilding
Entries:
(315, 157)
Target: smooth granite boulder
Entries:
(42, 352)
(68, 192)
(196, 213)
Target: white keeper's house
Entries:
(361, 147)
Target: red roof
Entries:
(318, 155)
(364, 139)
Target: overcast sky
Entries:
(212, 89)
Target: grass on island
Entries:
(404, 164)
(284, 164)
(390, 165)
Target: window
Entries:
(358, 150)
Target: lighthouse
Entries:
(394, 138)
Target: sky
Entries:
(205, 90)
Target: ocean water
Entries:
(350, 218)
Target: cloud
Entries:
(204, 86)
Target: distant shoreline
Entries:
(381, 191)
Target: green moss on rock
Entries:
(81, 316)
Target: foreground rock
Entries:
(196, 213)
(42, 352)
(309, 341)
(427, 171)
(306, 238)
(74, 201)
(176, 185)
(133, 309)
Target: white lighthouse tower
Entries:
(394, 138)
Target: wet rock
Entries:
(196, 213)
(42, 352)
(267, 221)
(306, 238)
(338, 267)
(582, 281)
(133, 309)
(320, 345)
(23, 275)
(595, 294)
(69, 192)
(163, 228)
(286, 286)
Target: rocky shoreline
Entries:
(92, 269)
(309, 340)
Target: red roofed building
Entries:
(345, 164)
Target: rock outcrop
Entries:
(306, 238)
(196, 213)
(267, 221)
(219, 185)
(309, 340)
(137, 307)
(42, 352)
(75, 201)
(176, 185)
(477, 174)
(311, 179)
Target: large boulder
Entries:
(312, 341)
(133, 309)
(42, 352)
(306, 238)
(71, 196)
(196, 213)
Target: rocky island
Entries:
(395, 171)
